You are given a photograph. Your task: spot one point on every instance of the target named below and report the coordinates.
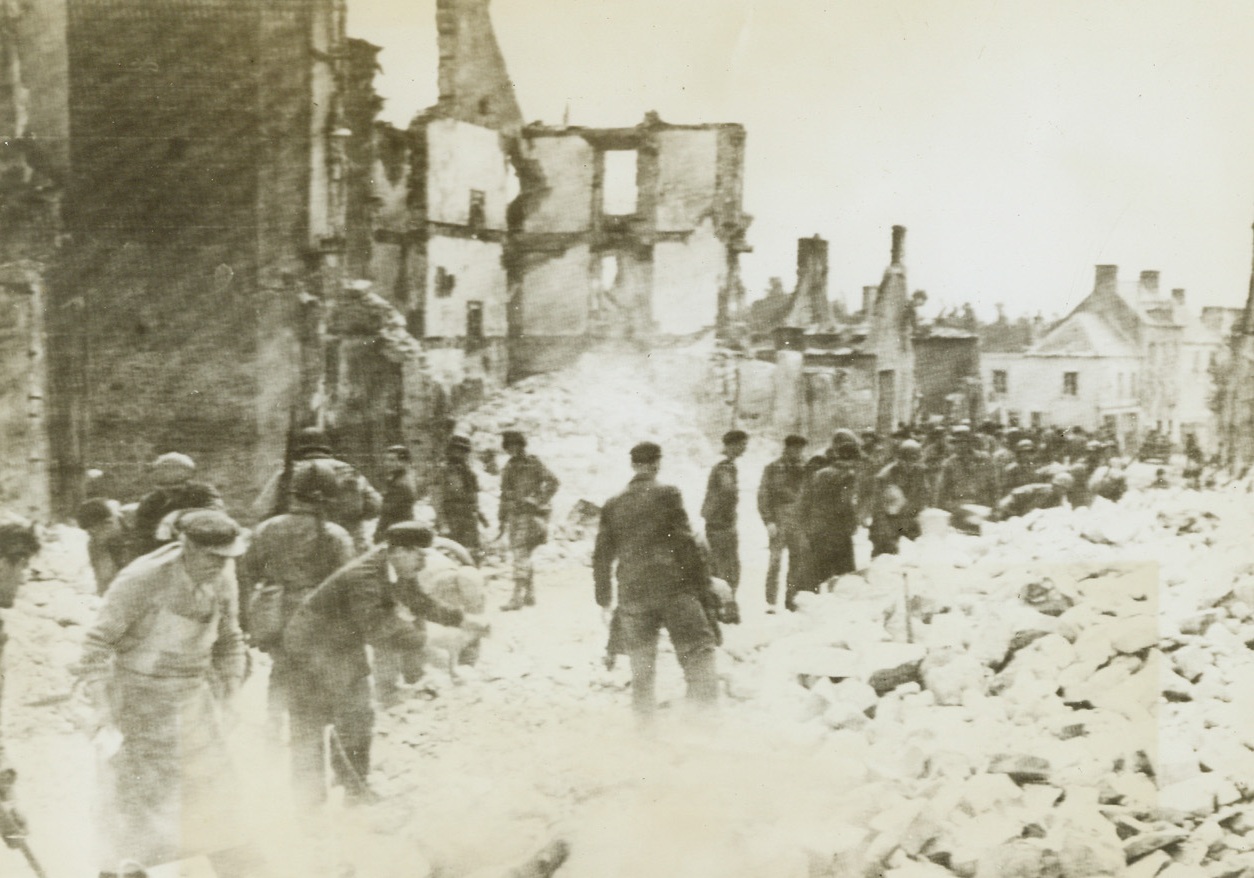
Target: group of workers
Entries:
(812, 507)
(186, 590)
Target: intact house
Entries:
(1127, 360)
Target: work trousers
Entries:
(685, 621)
(524, 531)
(463, 528)
(827, 555)
(788, 538)
(724, 555)
(312, 708)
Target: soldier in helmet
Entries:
(900, 495)
(289, 556)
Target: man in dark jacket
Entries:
(661, 582)
(778, 495)
(527, 489)
(829, 513)
(175, 490)
(1022, 470)
(722, 494)
(900, 495)
(400, 492)
(326, 644)
(456, 498)
(18, 545)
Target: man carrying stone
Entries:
(722, 495)
(662, 582)
(778, 494)
(527, 489)
(175, 490)
(326, 642)
(900, 495)
(161, 666)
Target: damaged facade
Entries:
(654, 254)
(875, 371)
(230, 243)
(1234, 390)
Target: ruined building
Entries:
(1234, 398)
(194, 151)
(222, 241)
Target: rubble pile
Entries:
(1035, 717)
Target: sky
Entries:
(1020, 143)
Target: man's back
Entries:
(295, 551)
(646, 530)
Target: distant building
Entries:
(1126, 360)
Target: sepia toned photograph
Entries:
(626, 438)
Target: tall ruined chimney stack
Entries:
(812, 279)
(899, 244)
(1107, 280)
(1149, 284)
(868, 299)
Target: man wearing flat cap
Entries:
(175, 489)
(967, 476)
(662, 582)
(722, 495)
(326, 642)
(456, 498)
(161, 667)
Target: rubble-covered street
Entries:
(1065, 695)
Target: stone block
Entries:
(1138, 846)
(1020, 768)
(885, 666)
(1199, 796)
(1148, 866)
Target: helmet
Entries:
(1063, 480)
(910, 450)
(1025, 445)
(315, 481)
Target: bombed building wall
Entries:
(653, 215)
(202, 208)
(947, 375)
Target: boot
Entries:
(529, 594)
(518, 601)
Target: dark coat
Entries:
(722, 493)
(399, 496)
(967, 479)
(645, 529)
(780, 489)
(355, 607)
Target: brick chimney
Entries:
(1107, 280)
(868, 299)
(899, 244)
(1149, 284)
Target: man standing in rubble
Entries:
(326, 642)
(161, 666)
(830, 512)
(527, 489)
(967, 476)
(18, 545)
(400, 493)
(290, 555)
(778, 495)
(456, 498)
(722, 496)
(662, 582)
(1022, 470)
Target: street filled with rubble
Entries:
(1066, 694)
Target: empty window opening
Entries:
(474, 321)
(478, 212)
(1000, 382)
(1070, 383)
(618, 186)
(444, 283)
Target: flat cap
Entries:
(795, 441)
(172, 468)
(409, 535)
(731, 437)
(646, 452)
(214, 531)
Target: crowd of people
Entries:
(813, 506)
(337, 583)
